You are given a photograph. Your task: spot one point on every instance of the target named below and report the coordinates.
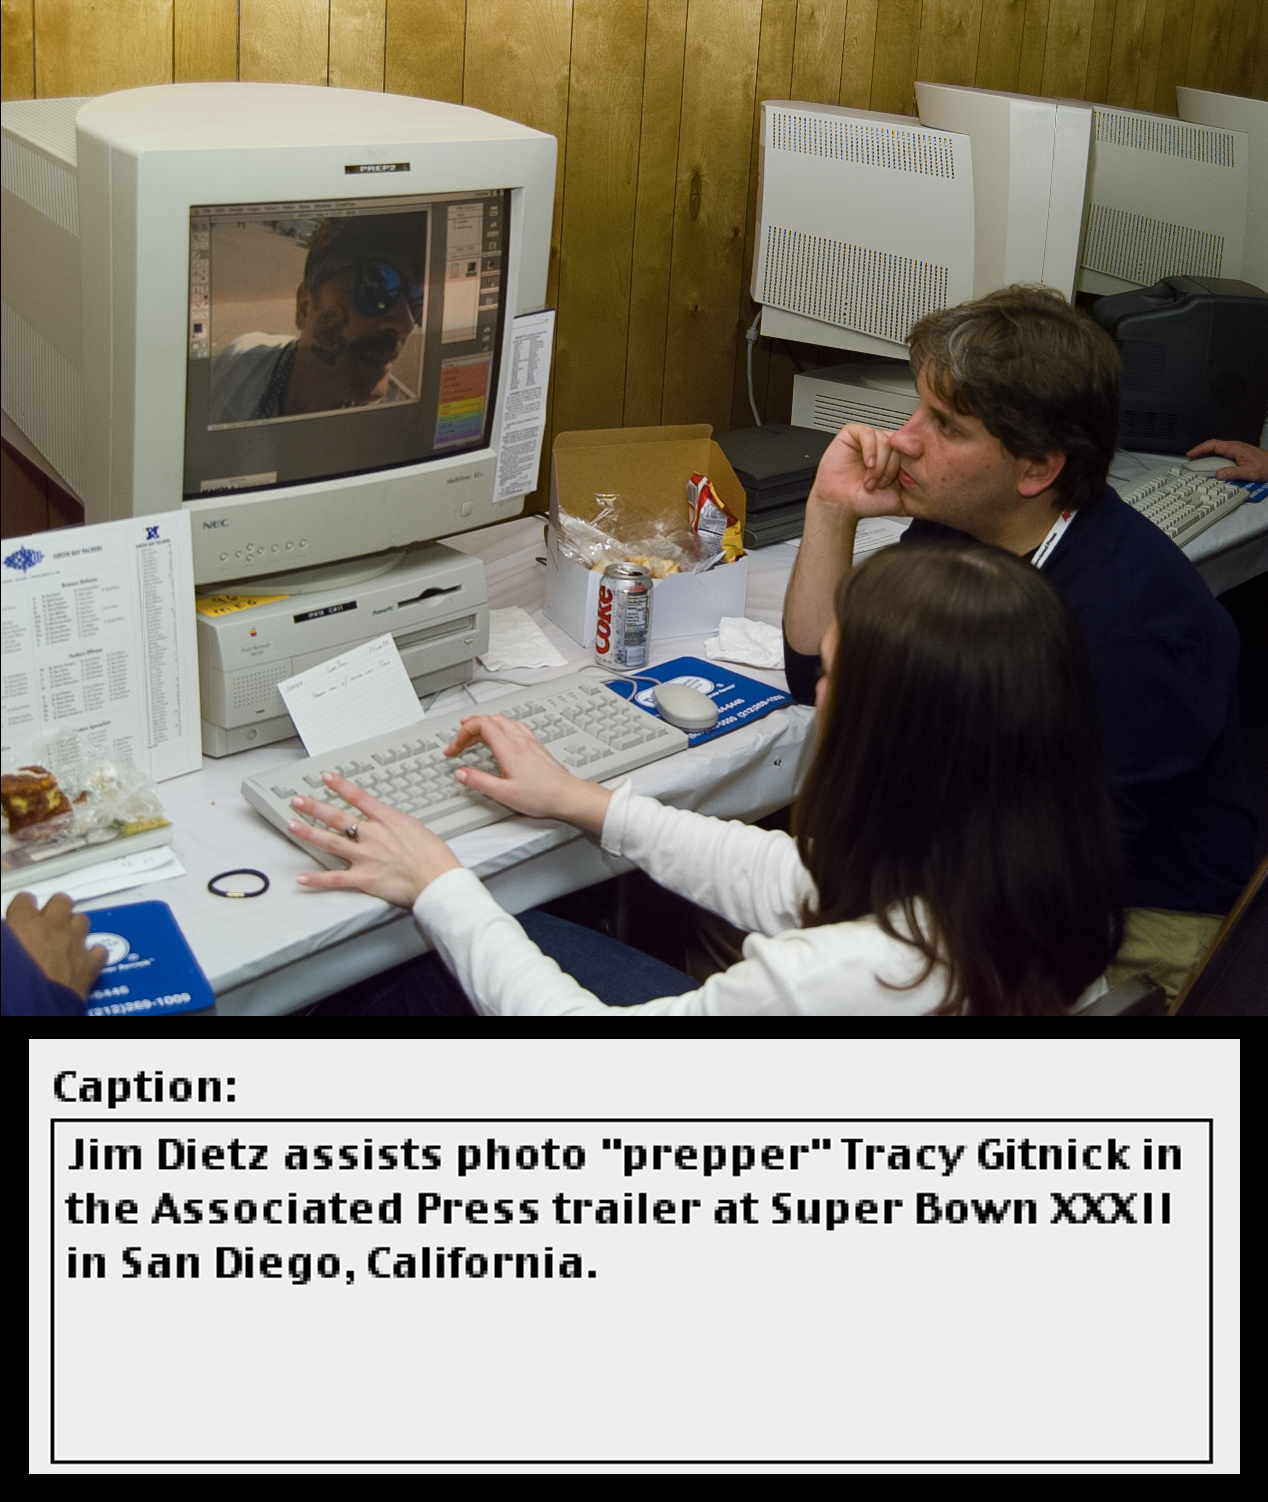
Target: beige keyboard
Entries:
(591, 730)
(1181, 502)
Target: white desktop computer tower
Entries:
(880, 393)
(864, 225)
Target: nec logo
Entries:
(207, 526)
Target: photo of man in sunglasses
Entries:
(360, 300)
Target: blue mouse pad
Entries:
(739, 699)
(150, 969)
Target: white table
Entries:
(1234, 549)
(272, 954)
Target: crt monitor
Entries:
(864, 225)
(286, 309)
(1165, 198)
(1030, 166)
(1250, 117)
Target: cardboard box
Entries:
(649, 469)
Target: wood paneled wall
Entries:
(654, 103)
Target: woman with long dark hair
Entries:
(954, 850)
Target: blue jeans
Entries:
(423, 987)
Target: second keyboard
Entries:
(1181, 502)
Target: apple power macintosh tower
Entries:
(168, 259)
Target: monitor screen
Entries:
(340, 338)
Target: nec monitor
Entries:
(288, 309)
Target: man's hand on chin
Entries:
(859, 473)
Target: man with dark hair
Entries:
(1011, 446)
(360, 299)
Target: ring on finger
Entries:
(352, 830)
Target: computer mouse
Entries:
(687, 708)
(1208, 464)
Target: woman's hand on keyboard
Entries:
(393, 856)
(532, 781)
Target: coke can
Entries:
(623, 632)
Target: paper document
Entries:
(876, 532)
(100, 647)
(524, 406)
(118, 875)
(352, 697)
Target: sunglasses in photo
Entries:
(376, 286)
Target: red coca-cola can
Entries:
(623, 631)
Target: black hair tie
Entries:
(241, 871)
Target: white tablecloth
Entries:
(271, 954)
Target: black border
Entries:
(490, 1465)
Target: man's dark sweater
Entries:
(1165, 658)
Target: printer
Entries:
(432, 599)
(1195, 361)
(776, 465)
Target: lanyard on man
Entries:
(1057, 531)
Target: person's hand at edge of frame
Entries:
(54, 938)
(1249, 462)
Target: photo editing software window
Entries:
(339, 338)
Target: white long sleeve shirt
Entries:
(753, 878)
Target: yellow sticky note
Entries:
(227, 604)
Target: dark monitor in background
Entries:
(1195, 361)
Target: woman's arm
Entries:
(751, 877)
(847, 969)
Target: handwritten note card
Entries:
(351, 697)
